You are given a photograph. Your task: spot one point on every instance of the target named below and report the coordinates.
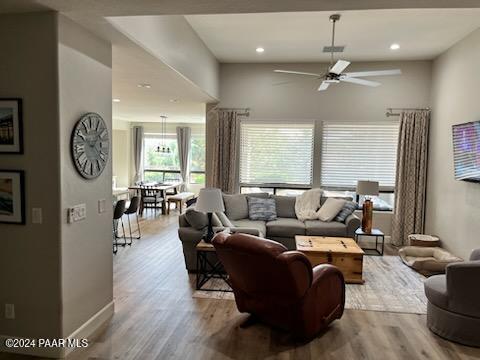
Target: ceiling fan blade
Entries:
(374, 73)
(296, 73)
(323, 86)
(339, 66)
(360, 81)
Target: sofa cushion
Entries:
(330, 209)
(436, 291)
(322, 228)
(285, 206)
(251, 224)
(285, 227)
(261, 209)
(236, 206)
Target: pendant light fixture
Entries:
(163, 148)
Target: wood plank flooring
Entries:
(156, 317)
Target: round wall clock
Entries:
(90, 145)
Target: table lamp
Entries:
(367, 188)
(209, 201)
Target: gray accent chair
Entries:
(453, 310)
(282, 230)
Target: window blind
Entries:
(276, 153)
(354, 151)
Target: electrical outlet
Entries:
(77, 213)
(37, 217)
(9, 311)
(101, 206)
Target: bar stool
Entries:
(118, 212)
(133, 209)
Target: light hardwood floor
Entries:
(157, 318)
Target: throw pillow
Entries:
(330, 209)
(224, 219)
(199, 220)
(261, 209)
(347, 210)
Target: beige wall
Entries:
(453, 206)
(57, 275)
(30, 254)
(256, 86)
(121, 156)
(85, 78)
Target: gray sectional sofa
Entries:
(283, 229)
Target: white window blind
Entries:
(276, 153)
(354, 151)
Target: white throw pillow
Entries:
(330, 208)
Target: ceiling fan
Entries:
(335, 72)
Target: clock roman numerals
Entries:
(90, 145)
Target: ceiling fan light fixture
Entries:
(394, 46)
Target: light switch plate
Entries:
(77, 213)
(101, 206)
(37, 217)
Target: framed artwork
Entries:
(11, 132)
(12, 196)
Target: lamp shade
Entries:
(365, 187)
(210, 200)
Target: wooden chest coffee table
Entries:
(341, 252)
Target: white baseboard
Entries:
(83, 332)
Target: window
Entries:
(197, 159)
(276, 153)
(165, 167)
(354, 151)
(160, 167)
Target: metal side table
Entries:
(208, 269)
(379, 240)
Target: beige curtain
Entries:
(225, 148)
(411, 178)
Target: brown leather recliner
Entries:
(279, 286)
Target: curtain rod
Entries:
(245, 113)
(391, 113)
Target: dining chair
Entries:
(150, 197)
(133, 209)
(118, 212)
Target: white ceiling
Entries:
(300, 36)
(134, 66)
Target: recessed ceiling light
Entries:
(146, 86)
(394, 47)
(116, 100)
(259, 49)
(173, 100)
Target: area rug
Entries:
(389, 286)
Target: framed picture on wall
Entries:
(12, 196)
(11, 132)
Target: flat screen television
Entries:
(466, 151)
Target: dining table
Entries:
(162, 188)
